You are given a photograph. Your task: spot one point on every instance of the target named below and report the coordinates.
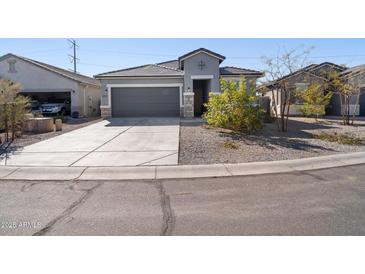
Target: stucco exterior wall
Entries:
(36, 79)
(33, 77)
(89, 97)
(191, 67)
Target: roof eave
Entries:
(137, 76)
(244, 74)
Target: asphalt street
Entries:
(321, 202)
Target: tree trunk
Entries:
(6, 129)
(275, 107)
(283, 129)
(348, 110)
(287, 112)
(356, 104)
(13, 114)
(342, 107)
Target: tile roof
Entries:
(308, 69)
(63, 72)
(239, 71)
(353, 71)
(149, 70)
(171, 64)
(172, 68)
(220, 57)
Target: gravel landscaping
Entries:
(204, 145)
(29, 138)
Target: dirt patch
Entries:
(206, 145)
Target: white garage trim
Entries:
(110, 86)
(203, 77)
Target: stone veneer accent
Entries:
(106, 112)
(188, 104)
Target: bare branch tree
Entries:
(348, 89)
(286, 62)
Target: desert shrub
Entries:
(230, 145)
(315, 100)
(344, 139)
(13, 108)
(235, 108)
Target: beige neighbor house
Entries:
(46, 84)
(176, 88)
(302, 78)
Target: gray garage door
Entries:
(146, 102)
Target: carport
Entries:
(49, 96)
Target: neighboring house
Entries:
(173, 88)
(300, 80)
(47, 83)
(355, 76)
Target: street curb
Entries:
(178, 172)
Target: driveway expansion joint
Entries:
(120, 133)
(7, 175)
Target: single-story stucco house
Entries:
(47, 83)
(301, 79)
(173, 88)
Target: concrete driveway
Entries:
(114, 142)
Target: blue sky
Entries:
(100, 55)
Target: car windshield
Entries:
(57, 101)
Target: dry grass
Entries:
(343, 139)
(230, 145)
(206, 126)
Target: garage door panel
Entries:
(146, 102)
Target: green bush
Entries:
(235, 108)
(13, 108)
(315, 100)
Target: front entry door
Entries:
(200, 96)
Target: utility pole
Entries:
(73, 57)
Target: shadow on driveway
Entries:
(143, 121)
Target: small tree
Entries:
(315, 100)
(348, 90)
(13, 108)
(235, 108)
(285, 63)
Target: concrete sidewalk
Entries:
(183, 171)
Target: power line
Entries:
(310, 57)
(73, 57)
(228, 57)
(129, 53)
(98, 65)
